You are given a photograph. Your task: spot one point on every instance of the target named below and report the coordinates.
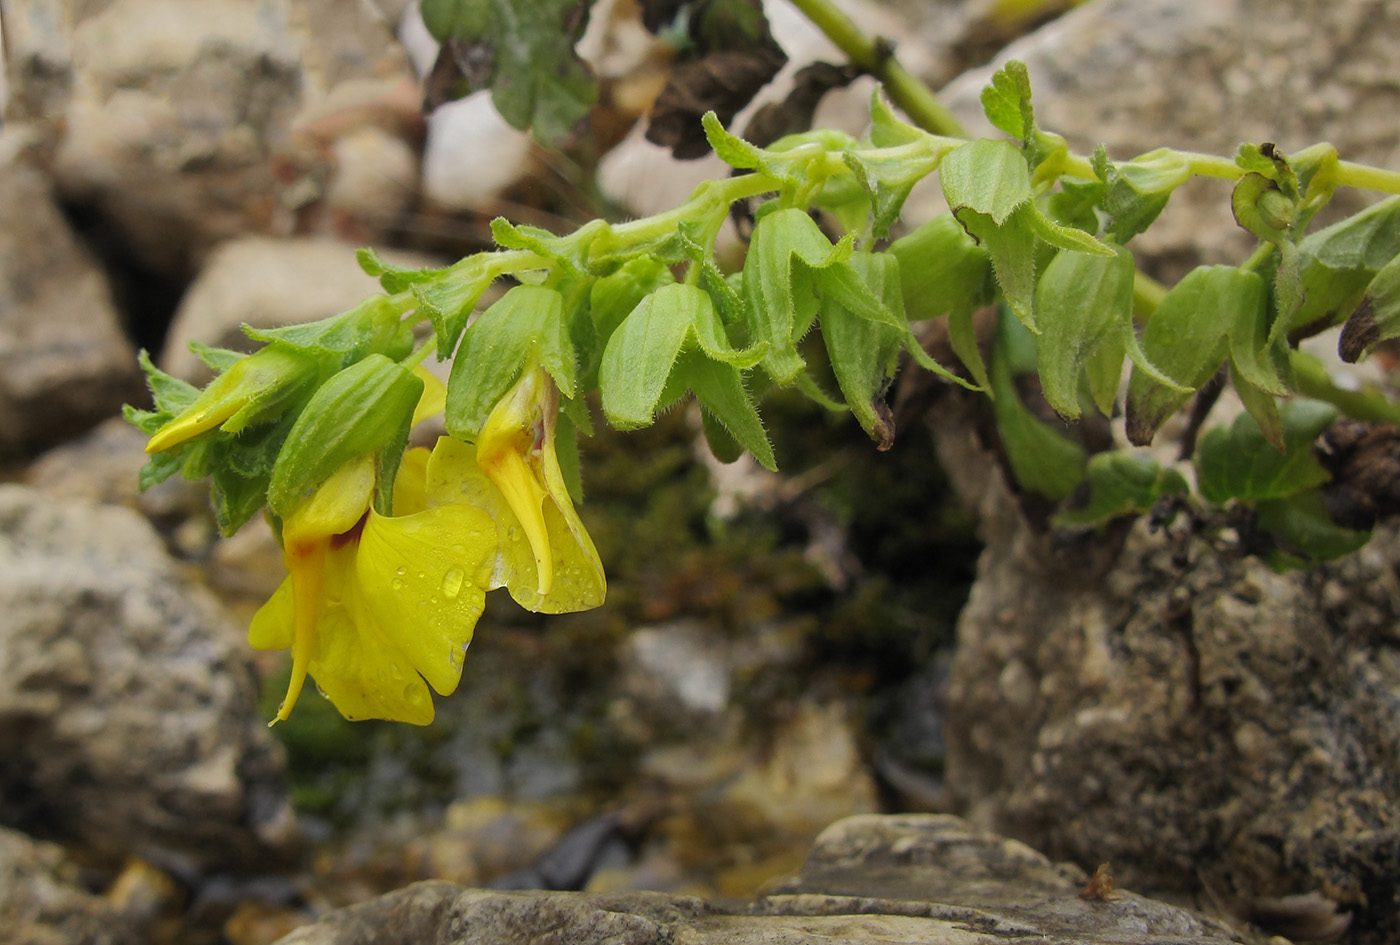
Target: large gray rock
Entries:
(1186, 712)
(41, 902)
(127, 705)
(914, 880)
(64, 362)
(186, 123)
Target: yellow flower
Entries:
(375, 608)
(546, 557)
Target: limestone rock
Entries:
(42, 904)
(1186, 713)
(1206, 75)
(186, 123)
(914, 880)
(267, 282)
(64, 362)
(127, 709)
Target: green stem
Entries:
(876, 58)
(1367, 404)
(1367, 178)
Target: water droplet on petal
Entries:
(452, 582)
(397, 584)
(399, 572)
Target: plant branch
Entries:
(876, 56)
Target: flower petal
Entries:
(579, 584)
(272, 625)
(422, 578)
(363, 674)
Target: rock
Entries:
(64, 362)
(127, 705)
(1186, 712)
(182, 123)
(915, 880)
(1205, 76)
(267, 282)
(41, 902)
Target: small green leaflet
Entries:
(864, 354)
(1237, 462)
(524, 52)
(1305, 531)
(1122, 482)
(1007, 101)
(1136, 191)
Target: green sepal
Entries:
(449, 300)
(1136, 191)
(1339, 261)
(1007, 101)
(1062, 237)
(217, 360)
(887, 129)
(642, 354)
(788, 159)
(1011, 248)
(393, 278)
(1376, 317)
(170, 394)
(721, 442)
(943, 271)
(371, 326)
(864, 353)
(719, 388)
(780, 296)
(1238, 462)
(1042, 459)
(1201, 319)
(1305, 531)
(611, 299)
(526, 324)
(365, 408)
(1122, 482)
(570, 253)
(1081, 301)
(1261, 405)
(988, 177)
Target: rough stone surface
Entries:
(64, 363)
(126, 703)
(869, 879)
(185, 123)
(1205, 75)
(42, 904)
(1185, 712)
(267, 282)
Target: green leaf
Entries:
(1136, 191)
(944, 271)
(371, 326)
(1041, 458)
(986, 176)
(217, 360)
(523, 52)
(362, 409)
(720, 389)
(1261, 406)
(1188, 339)
(1377, 317)
(393, 278)
(1338, 262)
(1007, 101)
(640, 357)
(449, 301)
(864, 352)
(1063, 237)
(887, 129)
(1238, 462)
(525, 324)
(779, 298)
(1012, 251)
(1306, 531)
(1080, 303)
(1122, 482)
(171, 394)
